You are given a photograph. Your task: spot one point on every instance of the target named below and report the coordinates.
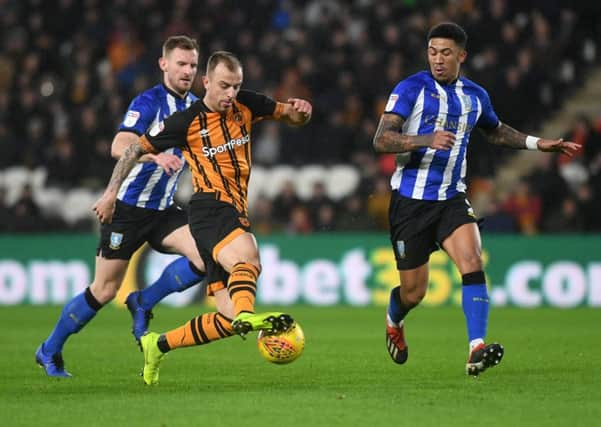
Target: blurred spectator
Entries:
(261, 218)
(6, 217)
(299, 221)
(268, 144)
(498, 220)
(27, 216)
(547, 183)
(291, 86)
(100, 165)
(9, 147)
(524, 207)
(36, 141)
(333, 140)
(377, 203)
(285, 202)
(63, 83)
(319, 201)
(326, 218)
(353, 216)
(565, 220)
(64, 169)
(588, 204)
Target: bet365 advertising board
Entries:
(322, 270)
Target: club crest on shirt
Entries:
(238, 118)
(131, 118)
(391, 102)
(116, 240)
(244, 221)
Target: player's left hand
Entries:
(169, 162)
(104, 208)
(301, 106)
(559, 145)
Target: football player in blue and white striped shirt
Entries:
(427, 121)
(144, 212)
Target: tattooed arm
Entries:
(507, 136)
(105, 206)
(389, 139)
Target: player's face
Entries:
(445, 59)
(222, 86)
(179, 69)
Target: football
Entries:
(283, 347)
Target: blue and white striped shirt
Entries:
(147, 185)
(428, 106)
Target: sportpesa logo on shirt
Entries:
(231, 144)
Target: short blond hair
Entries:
(223, 57)
(181, 42)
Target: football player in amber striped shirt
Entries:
(215, 137)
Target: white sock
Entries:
(392, 324)
(475, 343)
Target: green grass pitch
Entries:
(551, 373)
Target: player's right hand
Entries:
(104, 209)
(442, 140)
(568, 148)
(169, 162)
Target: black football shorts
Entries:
(214, 224)
(418, 227)
(132, 226)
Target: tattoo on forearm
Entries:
(507, 136)
(125, 164)
(388, 139)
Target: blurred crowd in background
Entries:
(68, 70)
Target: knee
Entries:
(104, 292)
(413, 293)
(470, 262)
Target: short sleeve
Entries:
(402, 99)
(139, 116)
(260, 105)
(488, 119)
(172, 132)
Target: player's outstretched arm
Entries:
(296, 112)
(389, 139)
(507, 136)
(105, 206)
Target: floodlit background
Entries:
(319, 199)
(70, 68)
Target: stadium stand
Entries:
(65, 84)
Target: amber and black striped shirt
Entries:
(216, 146)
